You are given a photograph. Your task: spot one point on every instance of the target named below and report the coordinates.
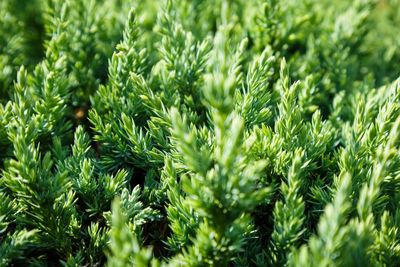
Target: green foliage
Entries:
(124, 246)
(21, 37)
(199, 133)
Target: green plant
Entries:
(199, 133)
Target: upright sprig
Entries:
(323, 248)
(182, 64)
(124, 246)
(38, 112)
(289, 214)
(121, 94)
(223, 192)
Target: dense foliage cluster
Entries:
(199, 133)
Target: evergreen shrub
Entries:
(199, 133)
